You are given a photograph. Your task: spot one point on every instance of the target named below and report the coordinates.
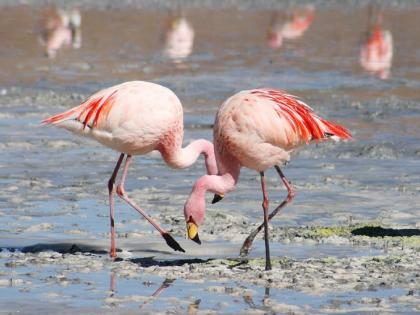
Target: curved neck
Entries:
(184, 157)
(195, 206)
(218, 184)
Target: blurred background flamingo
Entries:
(293, 26)
(135, 118)
(257, 129)
(60, 28)
(179, 38)
(377, 49)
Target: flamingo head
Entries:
(194, 212)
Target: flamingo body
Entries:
(179, 39)
(377, 52)
(136, 118)
(298, 25)
(260, 128)
(133, 118)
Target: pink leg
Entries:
(290, 190)
(265, 208)
(246, 246)
(111, 189)
(121, 192)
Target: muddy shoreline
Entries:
(395, 269)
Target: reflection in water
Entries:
(193, 307)
(377, 48)
(179, 39)
(266, 295)
(112, 287)
(295, 25)
(60, 28)
(165, 284)
(112, 283)
(248, 300)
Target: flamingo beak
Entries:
(217, 198)
(193, 232)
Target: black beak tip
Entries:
(216, 198)
(172, 243)
(196, 239)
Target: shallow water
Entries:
(53, 184)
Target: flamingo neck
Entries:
(195, 206)
(178, 157)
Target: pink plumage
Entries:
(258, 129)
(136, 118)
(376, 53)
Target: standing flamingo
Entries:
(136, 118)
(179, 39)
(257, 129)
(377, 49)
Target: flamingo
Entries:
(135, 118)
(257, 129)
(179, 39)
(377, 51)
(60, 28)
(296, 24)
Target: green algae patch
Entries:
(318, 232)
(371, 229)
(342, 231)
(362, 233)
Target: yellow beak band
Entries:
(193, 232)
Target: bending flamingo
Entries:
(257, 129)
(136, 118)
(60, 28)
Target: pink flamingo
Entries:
(377, 51)
(179, 39)
(296, 24)
(257, 129)
(60, 28)
(136, 118)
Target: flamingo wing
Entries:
(90, 112)
(301, 117)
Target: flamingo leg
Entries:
(265, 208)
(122, 194)
(246, 246)
(111, 189)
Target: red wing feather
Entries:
(97, 107)
(301, 117)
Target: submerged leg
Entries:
(246, 246)
(111, 190)
(121, 192)
(265, 208)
